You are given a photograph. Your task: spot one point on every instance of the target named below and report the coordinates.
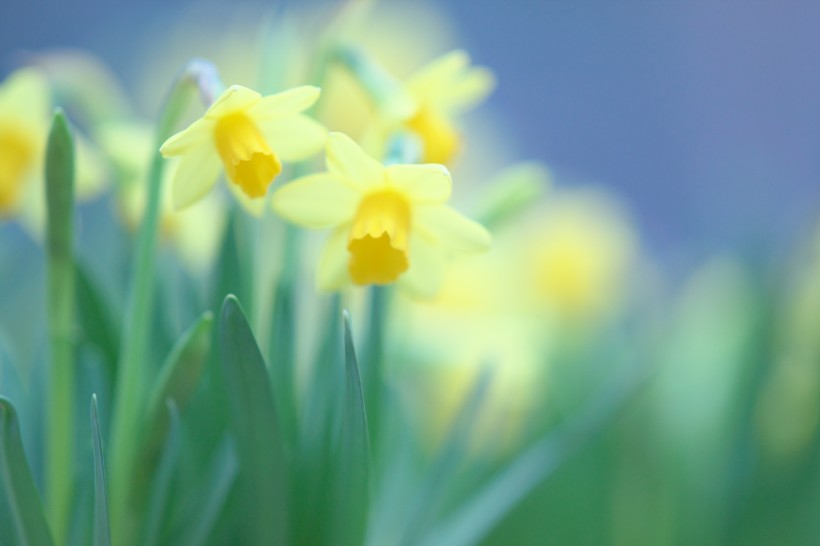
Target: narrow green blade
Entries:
(163, 477)
(25, 524)
(262, 487)
(207, 502)
(177, 381)
(102, 530)
(352, 481)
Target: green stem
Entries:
(61, 314)
(131, 388)
(373, 361)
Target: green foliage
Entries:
(24, 522)
(102, 528)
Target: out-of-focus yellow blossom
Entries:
(195, 232)
(24, 106)
(441, 90)
(580, 251)
(428, 103)
(390, 224)
(250, 136)
(25, 109)
(458, 348)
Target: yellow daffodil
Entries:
(442, 90)
(389, 223)
(24, 107)
(427, 103)
(25, 110)
(581, 252)
(249, 136)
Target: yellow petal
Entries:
(450, 84)
(232, 99)
(316, 201)
(423, 184)
(471, 89)
(426, 272)
(196, 174)
(331, 271)
(432, 77)
(294, 138)
(286, 103)
(25, 95)
(199, 133)
(449, 228)
(347, 160)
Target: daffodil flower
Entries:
(24, 106)
(390, 224)
(25, 110)
(443, 89)
(249, 136)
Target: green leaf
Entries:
(158, 501)
(282, 356)
(61, 320)
(98, 323)
(255, 426)
(352, 481)
(25, 523)
(177, 381)
(319, 431)
(102, 529)
(208, 501)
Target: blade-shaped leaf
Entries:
(158, 500)
(207, 503)
(178, 380)
(25, 524)
(255, 427)
(102, 530)
(352, 480)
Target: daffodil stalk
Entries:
(131, 388)
(61, 307)
(403, 148)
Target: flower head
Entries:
(24, 105)
(25, 115)
(439, 92)
(390, 224)
(434, 96)
(249, 136)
